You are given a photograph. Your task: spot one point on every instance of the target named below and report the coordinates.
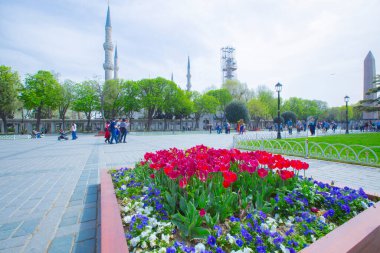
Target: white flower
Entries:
(145, 233)
(165, 238)
(313, 238)
(364, 205)
(288, 223)
(273, 228)
(199, 247)
(291, 218)
(322, 218)
(152, 239)
(247, 250)
(127, 219)
(153, 222)
(284, 249)
(162, 250)
(239, 251)
(139, 251)
(135, 241)
(144, 189)
(123, 187)
(263, 226)
(270, 221)
(144, 245)
(231, 239)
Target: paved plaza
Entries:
(49, 190)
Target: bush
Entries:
(289, 116)
(237, 110)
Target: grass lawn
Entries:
(323, 144)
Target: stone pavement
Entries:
(49, 190)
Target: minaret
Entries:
(108, 48)
(188, 85)
(369, 76)
(116, 65)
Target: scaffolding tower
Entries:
(228, 63)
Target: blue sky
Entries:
(315, 48)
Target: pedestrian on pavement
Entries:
(113, 131)
(123, 130)
(74, 131)
(107, 133)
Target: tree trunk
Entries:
(88, 121)
(165, 124)
(5, 128)
(150, 118)
(39, 110)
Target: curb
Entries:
(112, 232)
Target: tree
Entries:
(66, 99)
(371, 104)
(86, 99)
(237, 110)
(266, 96)
(224, 98)
(152, 96)
(289, 116)
(130, 91)
(183, 106)
(9, 87)
(41, 91)
(113, 98)
(258, 110)
(203, 104)
(239, 91)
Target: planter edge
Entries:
(112, 232)
(360, 234)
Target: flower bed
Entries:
(209, 200)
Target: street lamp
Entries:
(346, 99)
(278, 87)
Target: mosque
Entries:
(112, 65)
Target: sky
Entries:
(314, 48)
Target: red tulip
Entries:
(202, 212)
(314, 210)
(152, 176)
(183, 182)
(262, 172)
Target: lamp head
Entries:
(278, 87)
(346, 99)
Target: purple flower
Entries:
(218, 230)
(278, 240)
(171, 250)
(211, 240)
(219, 250)
(290, 231)
(247, 236)
(345, 208)
(261, 249)
(239, 242)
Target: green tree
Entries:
(152, 96)
(371, 104)
(183, 106)
(9, 88)
(258, 111)
(237, 110)
(66, 99)
(266, 96)
(113, 98)
(41, 91)
(130, 92)
(224, 98)
(288, 115)
(86, 99)
(203, 104)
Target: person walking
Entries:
(113, 131)
(74, 131)
(290, 126)
(107, 134)
(123, 130)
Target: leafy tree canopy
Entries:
(237, 110)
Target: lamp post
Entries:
(278, 87)
(346, 99)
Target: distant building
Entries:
(369, 76)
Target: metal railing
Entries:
(357, 154)
(15, 136)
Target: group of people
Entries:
(226, 126)
(116, 130)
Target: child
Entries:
(107, 134)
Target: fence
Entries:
(357, 154)
(15, 136)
